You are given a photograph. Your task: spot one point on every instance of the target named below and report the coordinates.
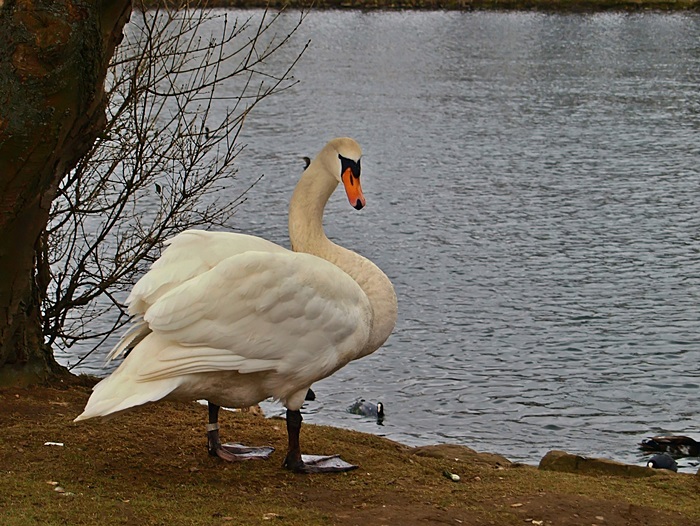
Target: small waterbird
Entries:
(677, 446)
(365, 408)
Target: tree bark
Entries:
(53, 61)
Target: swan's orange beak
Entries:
(353, 189)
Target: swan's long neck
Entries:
(306, 211)
(307, 235)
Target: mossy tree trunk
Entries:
(53, 61)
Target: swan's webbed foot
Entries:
(317, 464)
(298, 463)
(237, 452)
(231, 452)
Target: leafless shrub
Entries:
(168, 149)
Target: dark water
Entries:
(533, 192)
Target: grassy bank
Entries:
(468, 5)
(151, 467)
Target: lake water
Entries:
(533, 192)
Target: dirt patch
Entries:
(151, 467)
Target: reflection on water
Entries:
(533, 192)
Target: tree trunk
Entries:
(53, 61)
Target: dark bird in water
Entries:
(364, 408)
(310, 396)
(307, 162)
(675, 445)
(662, 461)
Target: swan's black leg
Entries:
(293, 460)
(299, 463)
(213, 441)
(230, 452)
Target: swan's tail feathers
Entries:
(131, 338)
(112, 396)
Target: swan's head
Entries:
(341, 158)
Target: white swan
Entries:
(235, 319)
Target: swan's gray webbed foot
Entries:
(231, 452)
(298, 463)
(318, 464)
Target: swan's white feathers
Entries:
(235, 319)
(137, 332)
(109, 397)
(251, 299)
(251, 312)
(177, 361)
(187, 255)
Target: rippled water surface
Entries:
(534, 194)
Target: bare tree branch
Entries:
(166, 153)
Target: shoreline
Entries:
(151, 467)
(545, 6)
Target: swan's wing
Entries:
(285, 311)
(137, 332)
(178, 361)
(188, 255)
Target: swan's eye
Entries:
(346, 163)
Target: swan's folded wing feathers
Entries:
(137, 332)
(188, 255)
(253, 311)
(177, 361)
(254, 284)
